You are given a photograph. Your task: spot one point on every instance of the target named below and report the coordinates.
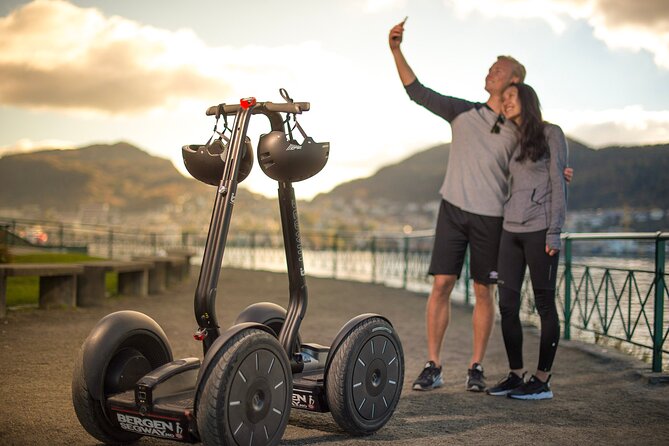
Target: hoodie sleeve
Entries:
(557, 144)
(446, 107)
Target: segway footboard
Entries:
(309, 384)
(161, 403)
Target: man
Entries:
(473, 195)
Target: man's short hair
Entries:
(517, 68)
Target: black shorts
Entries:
(455, 230)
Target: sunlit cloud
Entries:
(55, 55)
(621, 24)
(630, 125)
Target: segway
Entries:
(126, 383)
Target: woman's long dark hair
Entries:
(533, 144)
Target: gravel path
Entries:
(599, 399)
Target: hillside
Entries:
(130, 180)
(613, 177)
(121, 175)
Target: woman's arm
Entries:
(557, 144)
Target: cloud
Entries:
(630, 125)
(55, 55)
(621, 24)
(376, 6)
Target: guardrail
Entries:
(614, 301)
(601, 298)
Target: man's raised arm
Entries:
(407, 75)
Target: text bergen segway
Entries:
(126, 383)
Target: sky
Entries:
(74, 73)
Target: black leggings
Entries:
(518, 250)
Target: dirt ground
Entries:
(599, 398)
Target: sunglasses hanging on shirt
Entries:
(496, 127)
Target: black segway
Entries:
(126, 383)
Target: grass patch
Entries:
(22, 291)
(53, 257)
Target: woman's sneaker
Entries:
(533, 389)
(430, 378)
(475, 378)
(506, 385)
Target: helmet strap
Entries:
(289, 130)
(221, 135)
(299, 127)
(215, 131)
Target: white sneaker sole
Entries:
(533, 396)
(438, 383)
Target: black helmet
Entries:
(207, 162)
(282, 158)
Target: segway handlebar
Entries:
(260, 107)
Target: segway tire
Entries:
(246, 397)
(90, 413)
(364, 379)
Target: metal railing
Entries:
(626, 304)
(601, 299)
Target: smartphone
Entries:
(402, 23)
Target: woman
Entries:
(533, 218)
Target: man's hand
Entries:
(395, 36)
(568, 174)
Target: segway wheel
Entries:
(90, 413)
(270, 314)
(132, 360)
(246, 397)
(364, 380)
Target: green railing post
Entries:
(110, 243)
(405, 273)
(184, 239)
(467, 292)
(567, 287)
(373, 249)
(335, 245)
(658, 329)
(61, 236)
(154, 247)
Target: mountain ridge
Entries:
(640, 177)
(127, 178)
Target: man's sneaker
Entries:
(430, 378)
(475, 378)
(506, 385)
(533, 389)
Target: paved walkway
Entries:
(599, 399)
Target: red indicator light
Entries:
(247, 102)
(200, 334)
